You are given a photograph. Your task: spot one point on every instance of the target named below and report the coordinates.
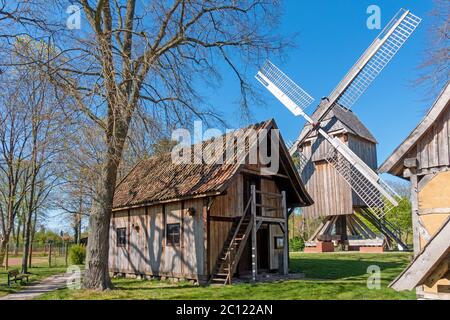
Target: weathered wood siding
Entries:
(367, 151)
(274, 259)
(331, 194)
(269, 185)
(433, 149)
(147, 252)
(223, 209)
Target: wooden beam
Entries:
(424, 263)
(285, 235)
(415, 213)
(410, 163)
(270, 219)
(438, 273)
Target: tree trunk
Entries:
(33, 232)
(97, 273)
(26, 243)
(4, 241)
(16, 248)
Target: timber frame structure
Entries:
(424, 159)
(206, 222)
(339, 207)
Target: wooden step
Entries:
(219, 279)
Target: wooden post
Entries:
(254, 245)
(7, 256)
(50, 255)
(66, 251)
(286, 240)
(410, 172)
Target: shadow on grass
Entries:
(335, 269)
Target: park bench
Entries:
(15, 275)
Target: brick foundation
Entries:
(371, 249)
(321, 246)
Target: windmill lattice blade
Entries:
(371, 193)
(283, 88)
(303, 162)
(393, 37)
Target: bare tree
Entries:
(435, 67)
(14, 137)
(132, 54)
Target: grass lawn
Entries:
(38, 272)
(328, 276)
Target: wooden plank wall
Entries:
(269, 185)
(274, 231)
(433, 149)
(223, 209)
(147, 252)
(331, 194)
(367, 151)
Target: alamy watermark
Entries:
(374, 280)
(74, 280)
(374, 19)
(243, 146)
(73, 21)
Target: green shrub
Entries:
(77, 254)
(296, 244)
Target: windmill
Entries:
(374, 196)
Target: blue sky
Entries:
(331, 36)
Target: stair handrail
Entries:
(228, 256)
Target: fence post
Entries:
(254, 238)
(285, 235)
(66, 247)
(7, 256)
(50, 255)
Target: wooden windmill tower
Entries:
(337, 153)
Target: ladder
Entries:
(233, 248)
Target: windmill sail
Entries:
(283, 88)
(370, 64)
(386, 45)
(348, 164)
(372, 190)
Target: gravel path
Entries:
(36, 289)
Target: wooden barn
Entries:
(334, 200)
(205, 222)
(424, 159)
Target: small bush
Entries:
(296, 244)
(77, 254)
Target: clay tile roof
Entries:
(159, 179)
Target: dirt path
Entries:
(36, 289)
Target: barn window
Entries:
(121, 237)
(279, 242)
(173, 234)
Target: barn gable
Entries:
(429, 141)
(424, 159)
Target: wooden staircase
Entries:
(384, 226)
(233, 248)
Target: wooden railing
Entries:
(232, 254)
